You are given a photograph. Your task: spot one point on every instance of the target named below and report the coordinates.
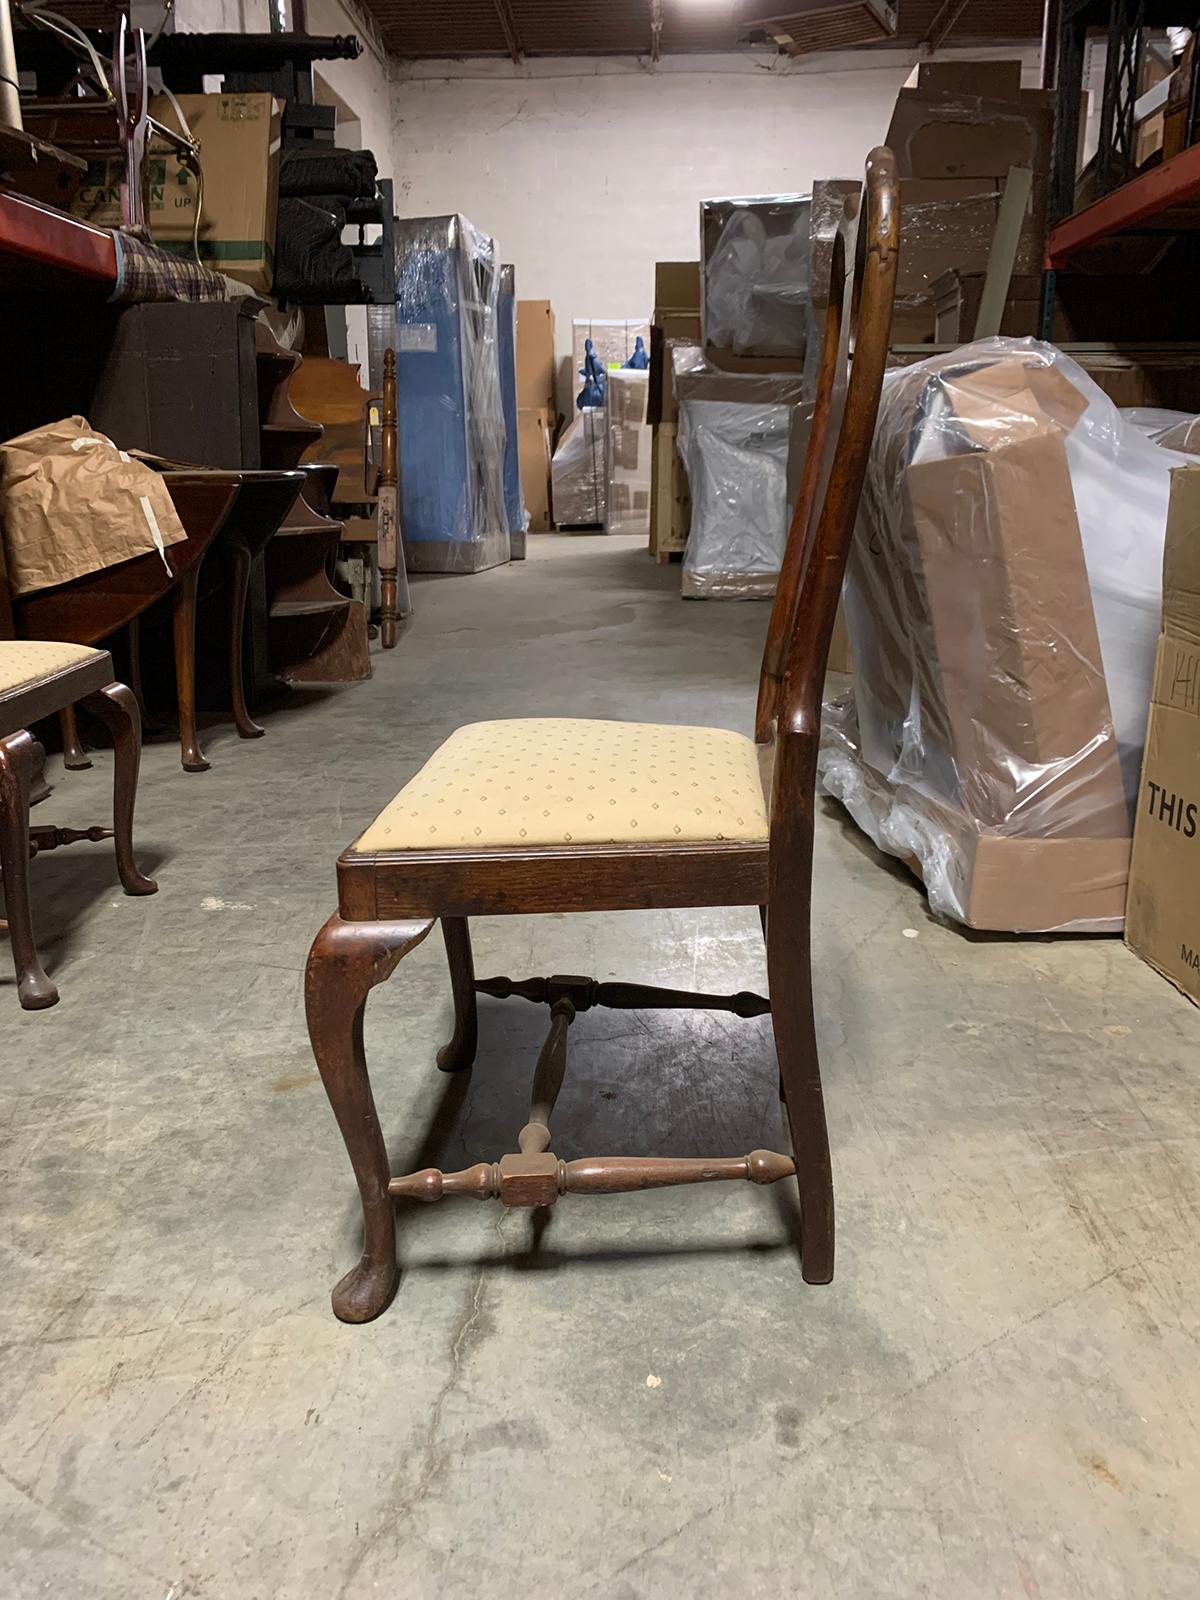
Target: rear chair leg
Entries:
(459, 1054)
(34, 989)
(347, 960)
(789, 970)
(75, 757)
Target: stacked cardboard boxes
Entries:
(1162, 919)
(239, 137)
(955, 138)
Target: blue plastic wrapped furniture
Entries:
(450, 417)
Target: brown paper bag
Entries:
(72, 503)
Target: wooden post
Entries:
(387, 513)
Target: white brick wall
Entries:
(587, 171)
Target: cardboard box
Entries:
(239, 137)
(956, 297)
(998, 80)
(667, 334)
(978, 577)
(534, 430)
(535, 355)
(676, 288)
(948, 226)
(670, 496)
(941, 134)
(1162, 919)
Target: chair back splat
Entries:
(818, 542)
(553, 815)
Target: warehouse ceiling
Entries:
(579, 27)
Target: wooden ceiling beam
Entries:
(508, 27)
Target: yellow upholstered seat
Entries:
(561, 781)
(26, 661)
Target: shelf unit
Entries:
(42, 249)
(1165, 200)
(316, 634)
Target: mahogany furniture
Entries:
(37, 679)
(93, 607)
(558, 815)
(316, 634)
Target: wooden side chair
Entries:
(39, 678)
(558, 815)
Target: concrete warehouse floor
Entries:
(997, 1396)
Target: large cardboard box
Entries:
(982, 561)
(945, 134)
(239, 138)
(534, 430)
(676, 288)
(535, 355)
(1162, 918)
(954, 147)
(670, 497)
(996, 79)
(949, 224)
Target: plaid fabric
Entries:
(144, 272)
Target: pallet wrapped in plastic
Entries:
(578, 481)
(628, 438)
(450, 414)
(755, 274)
(1002, 597)
(734, 436)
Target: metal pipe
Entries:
(1051, 23)
(10, 89)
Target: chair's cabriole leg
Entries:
(459, 1053)
(34, 989)
(346, 961)
(240, 565)
(192, 757)
(117, 707)
(789, 971)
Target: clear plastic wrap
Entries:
(1175, 430)
(734, 431)
(614, 341)
(450, 421)
(577, 472)
(755, 274)
(1002, 598)
(506, 323)
(627, 452)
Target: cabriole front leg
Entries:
(34, 989)
(347, 960)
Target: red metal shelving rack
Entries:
(1164, 200)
